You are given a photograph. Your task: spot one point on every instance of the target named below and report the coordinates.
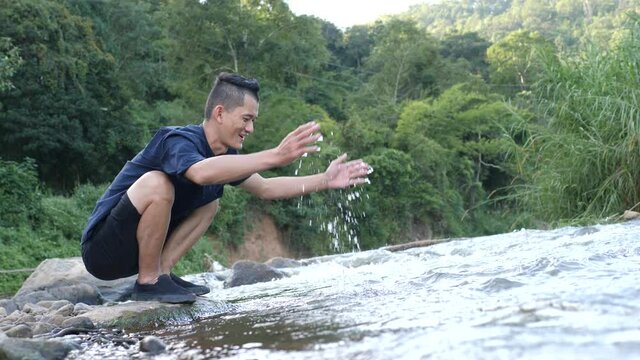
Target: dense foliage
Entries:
(478, 116)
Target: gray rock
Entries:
(152, 345)
(53, 304)
(26, 318)
(34, 309)
(81, 308)
(249, 272)
(283, 263)
(56, 320)
(15, 349)
(13, 317)
(80, 322)
(20, 331)
(67, 279)
(9, 305)
(43, 328)
(223, 275)
(3, 312)
(66, 310)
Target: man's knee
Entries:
(152, 187)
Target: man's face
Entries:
(238, 123)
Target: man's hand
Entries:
(341, 174)
(297, 143)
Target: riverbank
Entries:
(61, 298)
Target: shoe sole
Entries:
(175, 299)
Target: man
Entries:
(164, 199)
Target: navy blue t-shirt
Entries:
(172, 150)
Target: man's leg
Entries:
(152, 195)
(186, 234)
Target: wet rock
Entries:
(8, 305)
(283, 263)
(152, 345)
(223, 275)
(249, 272)
(81, 308)
(79, 322)
(3, 312)
(20, 331)
(585, 231)
(15, 348)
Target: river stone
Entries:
(80, 322)
(3, 312)
(283, 263)
(13, 317)
(250, 272)
(152, 345)
(223, 275)
(34, 309)
(26, 318)
(53, 319)
(81, 308)
(66, 310)
(43, 328)
(53, 305)
(20, 331)
(18, 349)
(67, 279)
(8, 305)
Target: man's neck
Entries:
(211, 133)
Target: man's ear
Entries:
(217, 113)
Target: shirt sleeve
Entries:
(178, 154)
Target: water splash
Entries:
(342, 210)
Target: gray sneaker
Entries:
(164, 290)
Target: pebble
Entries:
(152, 345)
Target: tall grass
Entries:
(583, 162)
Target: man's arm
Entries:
(339, 174)
(227, 168)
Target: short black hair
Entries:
(229, 90)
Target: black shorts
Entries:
(111, 252)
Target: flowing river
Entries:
(569, 293)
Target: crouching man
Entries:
(165, 198)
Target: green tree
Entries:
(404, 63)
(460, 152)
(66, 110)
(514, 60)
(10, 60)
